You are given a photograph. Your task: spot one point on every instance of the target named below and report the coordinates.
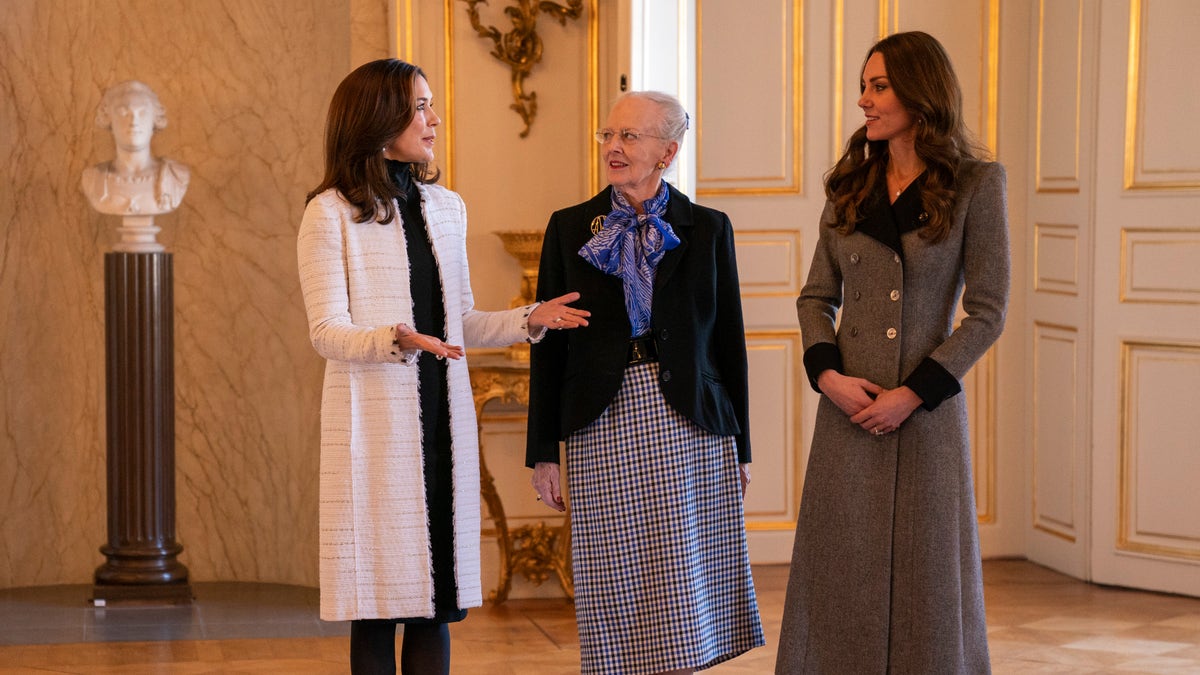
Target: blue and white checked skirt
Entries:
(658, 543)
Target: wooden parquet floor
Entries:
(1038, 621)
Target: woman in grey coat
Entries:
(885, 571)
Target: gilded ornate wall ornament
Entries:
(521, 48)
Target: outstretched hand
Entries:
(556, 313)
(408, 338)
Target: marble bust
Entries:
(134, 183)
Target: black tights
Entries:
(426, 648)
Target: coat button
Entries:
(857, 295)
(895, 295)
(666, 376)
(854, 332)
(896, 257)
(891, 333)
(663, 335)
(853, 258)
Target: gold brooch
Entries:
(597, 224)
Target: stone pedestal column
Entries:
(140, 381)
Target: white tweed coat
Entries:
(375, 559)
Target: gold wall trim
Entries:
(1127, 533)
(796, 64)
(983, 436)
(770, 526)
(991, 96)
(1070, 335)
(839, 77)
(403, 47)
(594, 112)
(1133, 108)
(1055, 533)
(883, 29)
(1154, 295)
(448, 42)
(403, 29)
(1131, 92)
(1072, 182)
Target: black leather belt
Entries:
(642, 350)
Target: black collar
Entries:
(401, 174)
(885, 222)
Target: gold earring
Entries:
(661, 165)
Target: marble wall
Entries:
(246, 86)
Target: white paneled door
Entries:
(1146, 351)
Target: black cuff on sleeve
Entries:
(819, 358)
(538, 452)
(932, 383)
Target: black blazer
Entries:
(696, 319)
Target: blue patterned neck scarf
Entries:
(630, 246)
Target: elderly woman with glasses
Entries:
(652, 401)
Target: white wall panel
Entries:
(1160, 265)
(773, 498)
(773, 359)
(1059, 58)
(1146, 358)
(748, 107)
(1055, 431)
(1059, 284)
(1160, 462)
(1162, 148)
(1056, 258)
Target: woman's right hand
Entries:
(547, 481)
(850, 394)
(408, 339)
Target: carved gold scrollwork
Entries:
(521, 48)
(539, 549)
(534, 551)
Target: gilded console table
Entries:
(534, 551)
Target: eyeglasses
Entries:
(628, 136)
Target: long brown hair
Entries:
(370, 108)
(920, 72)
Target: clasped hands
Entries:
(554, 314)
(877, 410)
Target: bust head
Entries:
(132, 112)
(134, 182)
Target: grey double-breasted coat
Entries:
(885, 571)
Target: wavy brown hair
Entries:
(370, 108)
(920, 72)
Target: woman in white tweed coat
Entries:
(383, 269)
(886, 575)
